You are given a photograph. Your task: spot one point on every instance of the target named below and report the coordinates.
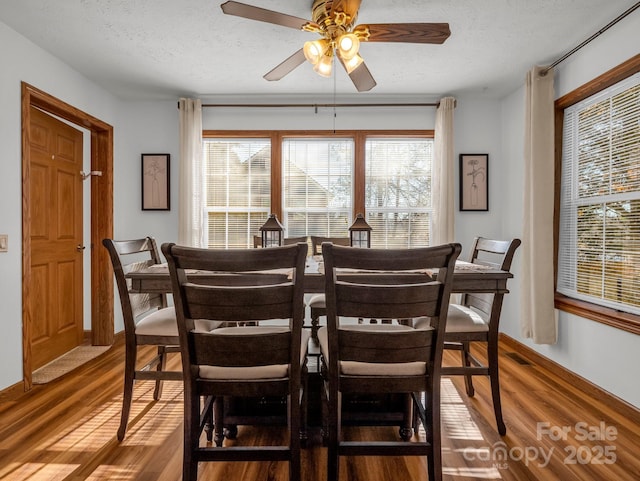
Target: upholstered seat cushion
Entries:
(357, 368)
(254, 372)
(459, 319)
(205, 325)
(318, 301)
(159, 323)
(163, 323)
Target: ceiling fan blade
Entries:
(263, 15)
(407, 32)
(361, 77)
(286, 67)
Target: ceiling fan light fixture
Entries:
(348, 46)
(325, 65)
(353, 63)
(315, 49)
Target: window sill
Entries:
(610, 317)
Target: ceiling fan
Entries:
(335, 21)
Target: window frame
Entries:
(359, 138)
(605, 315)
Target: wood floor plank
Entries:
(66, 431)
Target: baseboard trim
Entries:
(620, 405)
(13, 392)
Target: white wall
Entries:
(144, 127)
(322, 118)
(477, 131)
(597, 352)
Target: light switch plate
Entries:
(4, 242)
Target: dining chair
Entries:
(147, 321)
(317, 303)
(385, 359)
(476, 319)
(233, 361)
(257, 240)
(294, 240)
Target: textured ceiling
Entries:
(163, 49)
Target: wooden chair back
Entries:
(392, 289)
(316, 243)
(243, 294)
(129, 256)
(287, 241)
(497, 254)
(296, 240)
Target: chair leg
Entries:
(333, 461)
(218, 420)
(406, 430)
(494, 377)
(434, 435)
(162, 361)
(191, 436)
(303, 406)
(127, 394)
(466, 362)
(333, 438)
(325, 413)
(294, 437)
(209, 425)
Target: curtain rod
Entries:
(592, 37)
(322, 105)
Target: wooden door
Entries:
(55, 187)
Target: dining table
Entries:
(467, 277)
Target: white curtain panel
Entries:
(538, 315)
(443, 188)
(190, 212)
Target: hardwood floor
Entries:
(66, 430)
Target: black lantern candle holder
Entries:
(360, 233)
(272, 232)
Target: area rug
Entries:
(67, 363)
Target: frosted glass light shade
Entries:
(324, 66)
(315, 49)
(348, 46)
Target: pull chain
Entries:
(334, 100)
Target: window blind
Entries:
(398, 191)
(599, 248)
(237, 189)
(317, 177)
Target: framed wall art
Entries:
(155, 182)
(474, 182)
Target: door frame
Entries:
(102, 308)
